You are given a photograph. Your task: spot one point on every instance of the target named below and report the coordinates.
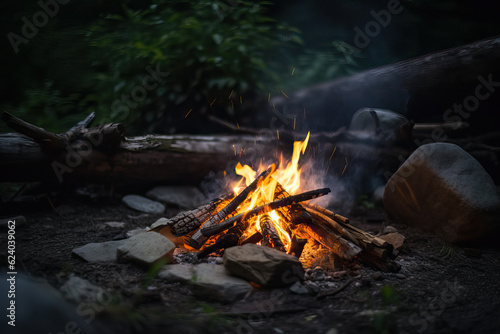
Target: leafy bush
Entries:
(206, 50)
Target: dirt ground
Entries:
(439, 289)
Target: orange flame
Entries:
(288, 176)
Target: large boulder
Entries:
(442, 188)
(263, 265)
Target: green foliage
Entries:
(209, 49)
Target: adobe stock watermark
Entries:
(427, 314)
(373, 28)
(30, 28)
(120, 108)
(457, 113)
(267, 308)
(87, 310)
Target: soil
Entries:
(439, 288)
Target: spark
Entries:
(211, 103)
(294, 119)
(346, 164)
(234, 150)
(237, 125)
(330, 160)
(333, 152)
(284, 94)
(293, 71)
(278, 134)
(231, 94)
(188, 113)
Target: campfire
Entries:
(268, 207)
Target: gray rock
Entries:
(143, 204)
(135, 231)
(177, 273)
(16, 222)
(184, 197)
(78, 290)
(214, 282)
(146, 249)
(299, 289)
(99, 252)
(159, 222)
(262, 265)
(371, 121)
(442, 188)
(38, 300)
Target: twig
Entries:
(323, 294)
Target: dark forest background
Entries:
(215, 57)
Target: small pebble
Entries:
(400, 276)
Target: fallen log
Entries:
(423, 88)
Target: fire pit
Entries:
(268, 207)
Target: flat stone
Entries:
(215, 282)
(17, 221)
(99, 252)
(78, 290)
(263, 265)
(177, 273)
(146, 249)
(184, 197)
(442, 188)
(143, 204)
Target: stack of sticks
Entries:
(217, 226)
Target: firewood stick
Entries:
(340, 229)
(198, 239)
(328, 238)
(333, 215)
(253, 239)
(188, 221)
(297, 246)
(377, 247)
(296, 214)
(230, 239)
(354, 231)
(211, 230)
(270, 237)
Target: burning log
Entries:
(270, 237)
(230, 239)
(297, 246)
(253, 239)
(212, 230)
(198, 239)
(188, 221)
(376, 251)
(323, 234)
(295, 213)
